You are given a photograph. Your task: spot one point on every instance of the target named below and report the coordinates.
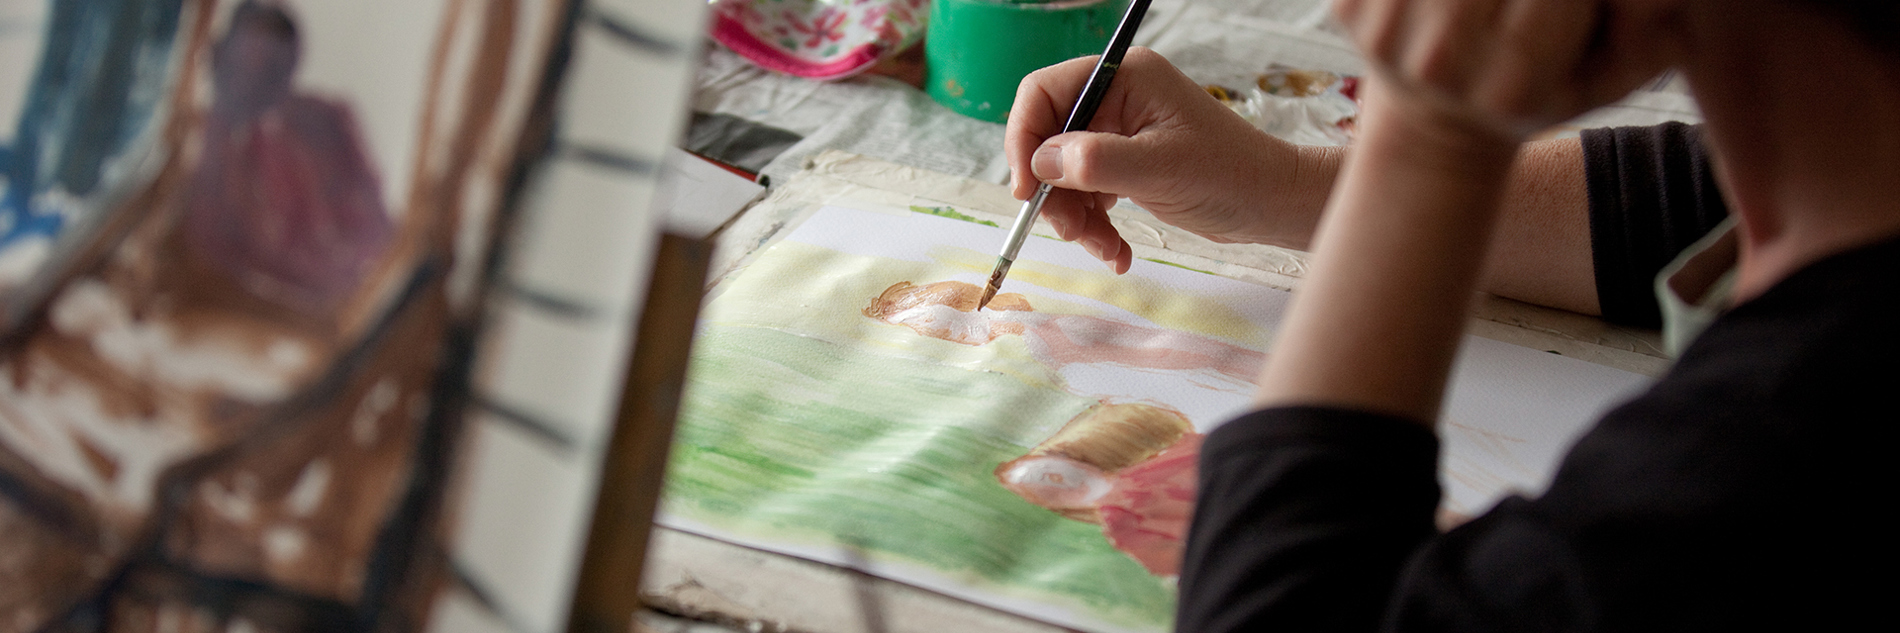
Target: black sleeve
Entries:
(1738, 493)
(1305, 517)
(1674, 514)
(1652, 194)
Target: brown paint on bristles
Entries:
(988, 293)
(995, 283)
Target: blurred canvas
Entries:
(246, 253)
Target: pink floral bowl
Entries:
(818, 39)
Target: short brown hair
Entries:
(1876, 21)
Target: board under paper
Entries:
(815, 429)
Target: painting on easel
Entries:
(847, 403)
(244, 247)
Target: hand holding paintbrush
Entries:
(1079, 118)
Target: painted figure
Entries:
(285, 200)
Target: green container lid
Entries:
(978, 51)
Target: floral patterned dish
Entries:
(819, 39)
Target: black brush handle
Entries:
(1111, 61)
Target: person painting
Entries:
(1738, 493)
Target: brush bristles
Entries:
(996, 282)
(989, 292)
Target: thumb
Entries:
(1099, 162)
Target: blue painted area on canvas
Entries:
(97, 79)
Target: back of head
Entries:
(1877, 22)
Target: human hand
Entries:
(1162, 141)
(1500, 70)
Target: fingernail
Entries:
(1060, 225)
(1092, 245)
(1047, 163)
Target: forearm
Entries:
(1398, 253)
(1540, 252)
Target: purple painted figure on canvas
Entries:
(285, 199)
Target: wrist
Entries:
(1287, 191)
(1429, 139)
(1315, 170)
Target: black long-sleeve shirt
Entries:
(1741, 492)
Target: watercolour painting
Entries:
(847, 404)
(245, 247)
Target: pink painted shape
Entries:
(1147, 511)
(1080, 339)
(287, 203)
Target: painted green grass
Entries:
(1169, 263)
(797, 439)
(947, 212)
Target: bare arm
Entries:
(1540, 251)
(1396, 257)
(1456, 87)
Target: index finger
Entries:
(1042, 103)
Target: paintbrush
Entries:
(1079, 118)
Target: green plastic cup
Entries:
(977, 51)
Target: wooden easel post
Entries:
(607, 594)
